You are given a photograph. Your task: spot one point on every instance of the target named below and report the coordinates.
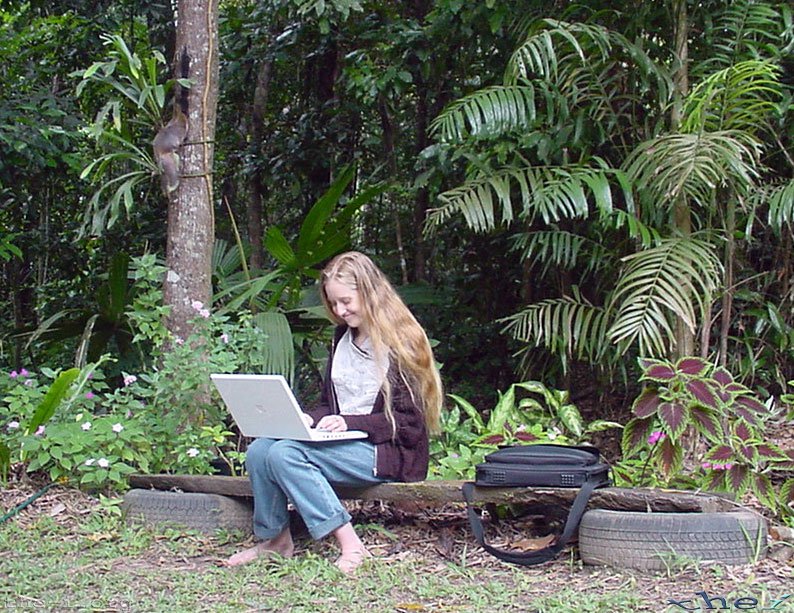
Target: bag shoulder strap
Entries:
(541, 555)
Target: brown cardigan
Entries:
(401, 456)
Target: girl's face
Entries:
(345, 303)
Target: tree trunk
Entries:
(190, 208)
(682, 215)
(727, 290)
(256, 185)
(387, 125)
(422, 202)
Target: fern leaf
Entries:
(486, 113)
(676, 278)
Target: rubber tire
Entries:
(659, 541)
(203, 512)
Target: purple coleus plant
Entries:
(691, 394)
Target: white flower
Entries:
(103, 462)
(13, 425)
(197, 305)
(205, 313)
(129, 379)
(225, 338)
(193, 452)
(117, 428)
(86, 426)
(551, 435)
(90, 462)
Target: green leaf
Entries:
(5, 460)
(321, 211)
(470, 410)
(504, 408)
(279, 248)
(571, 418)
(599, 425)
(52, 399)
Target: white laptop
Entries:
(264, 406)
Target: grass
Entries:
(93, 561)
(101, 564)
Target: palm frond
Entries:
(693, 165)
(780, 199)
(567, 326)
(539, 55)
(745, 29)
(739, 97)
(560, 249)
(226, 259)
(487, 112)
(677, 278)
(553, 193)
(278, 353)
(646, 235)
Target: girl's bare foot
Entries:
(349, 561)
(281, 545)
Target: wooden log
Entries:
(439, 492)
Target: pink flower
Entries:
(225, 338)
(179, 341)
(204, 313)
(39, 431)
(197, 306)
(24, 373)
(655, 437)
(89, 395)
(728, 466)
(129, 380)
(13, 374)
(13, 425)
(706, 465)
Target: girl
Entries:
(381, 378)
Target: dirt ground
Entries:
(434, 538)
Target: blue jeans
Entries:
(282, 470)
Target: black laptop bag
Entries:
(541, 465)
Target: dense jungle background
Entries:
(557, 188)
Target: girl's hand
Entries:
(308, 419)
(332, 423)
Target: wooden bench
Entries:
(434, 492)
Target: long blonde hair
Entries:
(393, 331)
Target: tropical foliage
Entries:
(689, 399)
(559, 191)
(578, 131)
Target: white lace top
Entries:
(356, 378)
